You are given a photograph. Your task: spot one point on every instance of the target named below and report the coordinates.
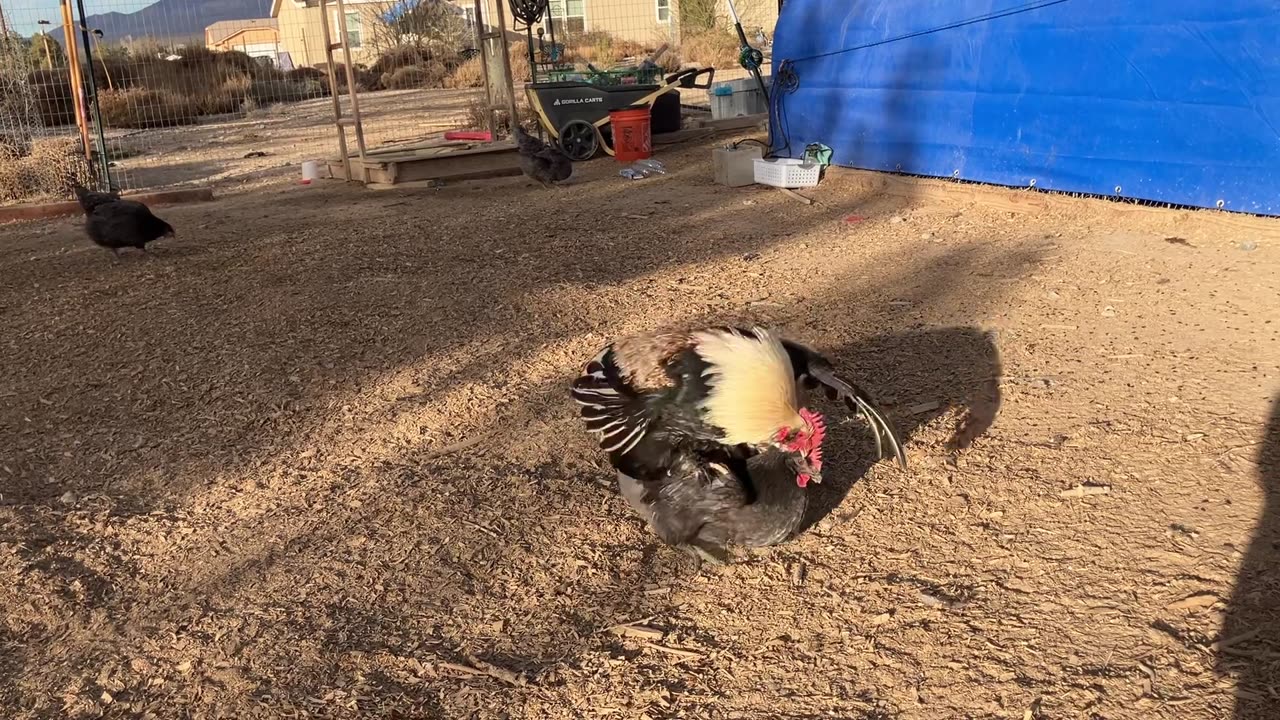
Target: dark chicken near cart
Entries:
(707, 433)
(541, 161)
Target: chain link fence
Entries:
(217, 92)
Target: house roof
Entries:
(220, 31)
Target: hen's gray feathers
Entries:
(541, 161)
(114, 223)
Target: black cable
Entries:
(958, 24)
(785, 82)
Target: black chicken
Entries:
(707, 433)
(703, 506)
(540, 161)
(114, 223)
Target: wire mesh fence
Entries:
(160, 93)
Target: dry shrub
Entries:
(142, 108)
(431, 74)
(520, 62)
(405, 78)
(436, 72)
(477, 117)
(399, 57)
(164, 92)
(716, 48)
(366, 81)
(600, 47)
(469, 74)
(302, 74)
(271, 91)
(51, 168)
(12, 148)
(53, 97)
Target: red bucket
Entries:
(631, 138)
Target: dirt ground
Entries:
(322, 463)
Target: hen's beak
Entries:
(807, 471)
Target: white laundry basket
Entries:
(787, 173)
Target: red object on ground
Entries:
(851, 219)
(481, 135)
(631, 134)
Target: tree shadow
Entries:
(955, 371)
(1249, 645)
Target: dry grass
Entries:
(431, 74)
(410, 56)
(47, 172)
(714, 48)
(470, 74)
(140, 90)
(478, 119)
(602, 48)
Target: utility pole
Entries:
(44, 43)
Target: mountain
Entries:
(171, 20)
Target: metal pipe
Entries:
(93, 97)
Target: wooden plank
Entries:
(734, 123)
(412, 184)
(17, 213)
(497, 166)
(475, 161)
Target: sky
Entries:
(22, 15)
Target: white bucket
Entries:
(310, 171)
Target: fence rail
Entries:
(184, 96)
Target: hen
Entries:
(707, 433)
(114, 223)
(704, 506)
(540, 161)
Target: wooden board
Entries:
(436, 162)
(734, 123)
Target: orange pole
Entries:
(73, 67)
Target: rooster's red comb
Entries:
(817, 423)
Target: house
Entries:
(648, 22)
(302, 34)
(259, 37)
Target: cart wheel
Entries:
(578, 140)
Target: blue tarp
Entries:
(1175, 101)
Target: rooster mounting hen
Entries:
(708, 435)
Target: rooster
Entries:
(545, 163)
(114, 223)
(706, 431)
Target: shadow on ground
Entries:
(1250, 637)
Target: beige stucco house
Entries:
(302, 35)
(649, 22)
(257, 37)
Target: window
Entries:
(353, 29)
(664, 11)
(569, 16)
